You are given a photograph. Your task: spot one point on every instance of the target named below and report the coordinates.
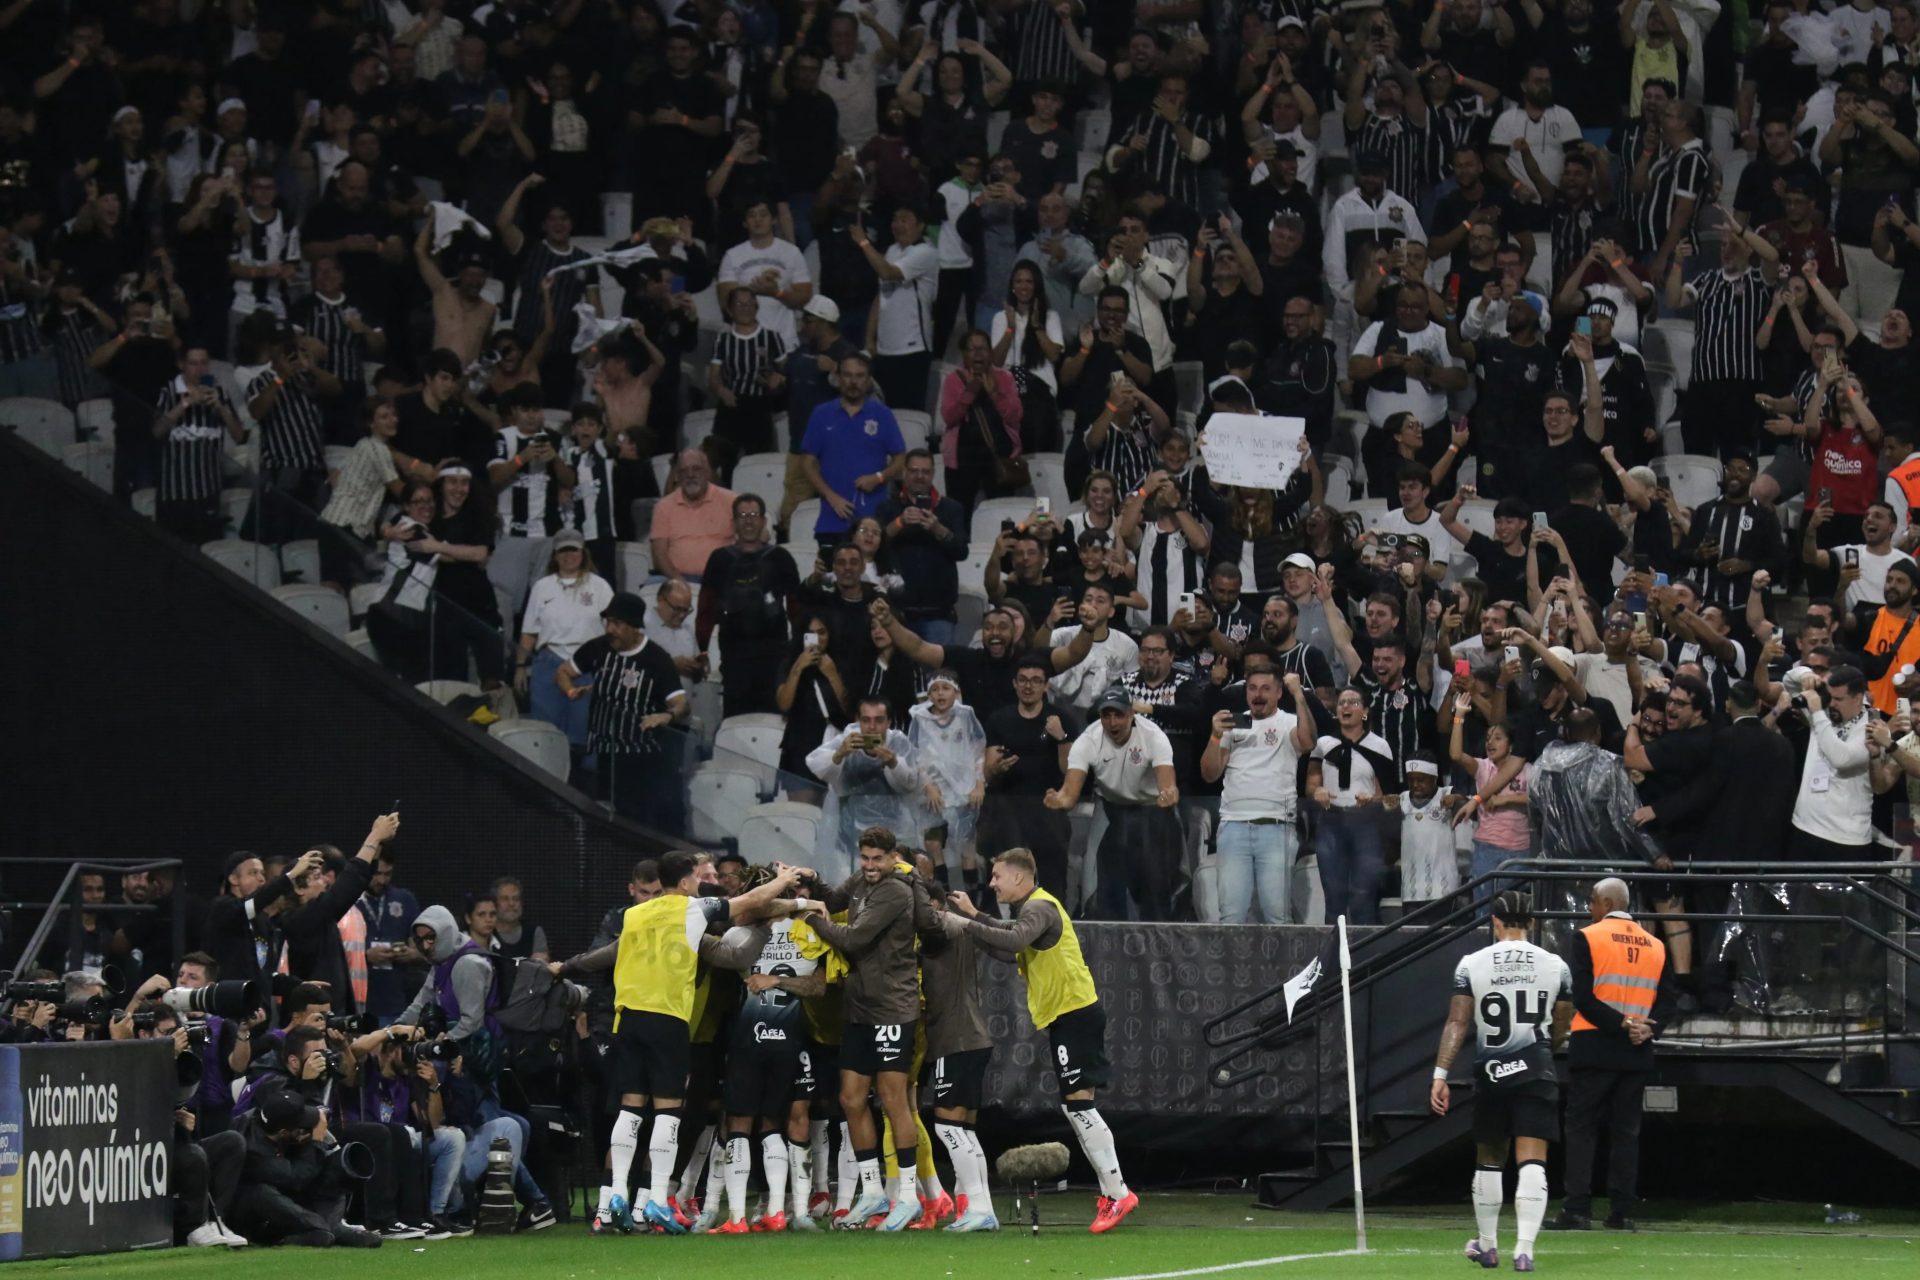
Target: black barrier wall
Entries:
(86, 1140)
(161, 707)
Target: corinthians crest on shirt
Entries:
(1135, 755)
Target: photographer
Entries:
(295, 1179)
(314, 1065)
(465, 983)
(391, 1082)
(31, 1019)
(204, 1172)
(84, 1012)
(225, 1050)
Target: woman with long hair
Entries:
(462, 536)
(1028, 343)
(982, 415)
(814, 700)
(563, 613)
(1504, 832)
(364, 482)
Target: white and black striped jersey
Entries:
(1165, 159)
(743, 356)
(1128, 452)
(1168, 566)
(190, 451)
(1726, 315)
(530, 506)
(264, 244)
(76, 335)
(627, 687)
(1037, 45)
(1463, 120)
(591, 513)
(19, 336)
(1684, 172)
(569, 287)
(1402, 144)
(1514, 986)
(293, 434)
(1570, 228)
(326, 320)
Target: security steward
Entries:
(1617, 969)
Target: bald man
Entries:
(1617, 969)
(693, 521)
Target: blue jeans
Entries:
(446, 1154)
(1486, 857)
(569, 715)
(523, 1182)
(1352, 860)
(801, 205)
(933, 630)
(1256, 856)
(473, 1165)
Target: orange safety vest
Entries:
(353, 942)
(1626, 967)
(1881, 636)
(1907, 476)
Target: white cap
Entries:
(1563, 653)
(822, 307)
(1299, 560)
(230, 104)
(1423, 766)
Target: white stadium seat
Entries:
(322, 606)
(538, 741)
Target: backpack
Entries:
(751, 607)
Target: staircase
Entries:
(1862, 1075)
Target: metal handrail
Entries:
(67, 898)
(1441, 926)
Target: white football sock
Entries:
(626, 1142)
(846, 1181)
(666, 1140)
(954, 1139)
(1096, 1141)
(1486, 1205)
(739, 1167)
(1529, 1204)
(817, 1155)
(716, 1178)
(906, 1180)
(930, 1186)
(773, 1151)
(800, 1173)
(982, 1194)
(606, 1201)
(870, 1177)
(696, 1164)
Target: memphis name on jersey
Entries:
(774, 1018)
(1514, 986)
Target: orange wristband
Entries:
(1112, 407)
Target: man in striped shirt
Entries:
(191, 413)
(1729, 306)
(538, 260)
(637, 700)
(346, 341)
(266, 254)
(1395, 127)
(1167, 143)
(285, 399)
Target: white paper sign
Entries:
(1252, 450)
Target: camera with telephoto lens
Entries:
(412, 1052)
(336, 1064)
(353, 1160)
(234, 998)
(432, 1021)
(353, 1024)
(47, 991)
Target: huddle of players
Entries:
(867, 981)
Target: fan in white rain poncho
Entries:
(872, 781)
(949, 746)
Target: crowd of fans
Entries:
(1474, 246)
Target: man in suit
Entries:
(1739, 810)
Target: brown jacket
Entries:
(949, 977)
(881, 988)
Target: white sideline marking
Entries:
(1243, 1266)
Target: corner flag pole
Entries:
(1353, 1096)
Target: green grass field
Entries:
(1172, 1235)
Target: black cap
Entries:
(284, 1109)
(1114, 699)
(627, 607)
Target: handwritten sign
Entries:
(1252, 450)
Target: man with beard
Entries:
(1026, 757)
(352, 228)
(1731, 536)
(1112, 653)
(1232, 616)
(1626, 397)
(1513, 374)
(986, 673)
(1585, 193)
(1172, 699)
(1045, 600)
(1280, 632)
(1892, 639)
(842, 600)
(1371, 214)
(1304, 371)
(1131, 763)
(1547, 468)
(1472, 198)
(1406, 364)
(1529, 141)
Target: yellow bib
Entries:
(656, 966)
(1058, 980)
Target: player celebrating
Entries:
(1061, 997)
(655, 964)
(769, 1060)
(958, 1050)
(1508, 991)
(882, 994)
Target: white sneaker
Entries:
(231, 1238)
(206, 1236)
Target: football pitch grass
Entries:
(1172, 1235)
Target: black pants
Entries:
(747, 425)
(195, 520)
(268, 1215)
(647, 789)
(903, 379)
(1139, 856)
(1008, 822)
(204, 1173)
(959, 286)
(753, 678)
(1599, 1099)
(1719, 416)
(286, 505)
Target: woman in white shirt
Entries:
(1352, 770)
(1027, 342)
(563, 613)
